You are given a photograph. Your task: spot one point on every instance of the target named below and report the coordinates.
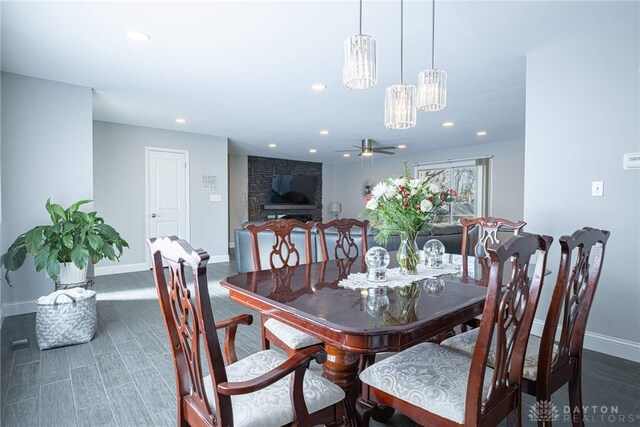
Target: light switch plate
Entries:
(597, 188)
(215, 197)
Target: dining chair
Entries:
(551, 360)
(437, 386)
(265, 388)
(283, 253)
(345, 244)
(486, 231)
(487, 234)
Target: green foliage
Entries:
(73, 236)
(405, 205)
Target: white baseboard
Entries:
(606, 344)
(219, 258)
(19, 307)
(232, 245)
(120, 268)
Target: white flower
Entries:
(434, 188)
(372, 203)
(379, 190)
(426, 205)
(415, 183)
(391, 191)
(399, 181)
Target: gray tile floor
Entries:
(125, 375)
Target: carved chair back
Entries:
(512, 299)
(190, 324)
(284, 252)
(345, 245)
(571, 301)
(487, 234)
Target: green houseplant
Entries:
(65, 247)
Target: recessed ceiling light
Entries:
(318, 86)
(481, 133)
(447, 124)
(346, 155)
(324, 132)
(181, 121)
(312, 150)
(272, 145)
(401, 146)
(138, 36)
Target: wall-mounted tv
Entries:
(293, 189)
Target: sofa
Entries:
(449, 235)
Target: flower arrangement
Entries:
(404, 206)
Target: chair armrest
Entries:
(230, 327)
(299, 360)
(243, 319)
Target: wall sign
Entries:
(209, 182)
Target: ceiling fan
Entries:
(367, 148)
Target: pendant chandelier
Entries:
(400, 99)
(360, 60)
(432, 83)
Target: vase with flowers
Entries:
(404, 206)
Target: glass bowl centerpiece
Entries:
(404, 206)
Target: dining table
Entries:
(356, 324)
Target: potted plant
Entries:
(65, 247)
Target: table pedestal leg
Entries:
(341, 368)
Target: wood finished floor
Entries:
(125, 375)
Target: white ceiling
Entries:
(244, 69)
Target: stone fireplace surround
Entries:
(262, 170)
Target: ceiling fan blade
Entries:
(357, 146)
(391, 147)
(345, 151)
(383, 152)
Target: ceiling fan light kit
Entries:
(360, 60)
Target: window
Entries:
(469, 178)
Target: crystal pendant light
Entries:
(432, 83)
(360, 60)
(400, 99)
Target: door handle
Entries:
(153, 215)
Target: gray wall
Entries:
(342, 181)
(46, 152)
(238, 188)
(582, 116)
(119, 166)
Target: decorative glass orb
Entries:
(377, 301)
(400, 106)
(432, 90)
(377, 259)
(434, 287)
(434, 253)
(360, 62)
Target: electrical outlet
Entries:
(215, 197)
(597, 188)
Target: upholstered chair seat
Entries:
(292, 337)
(466, 342)
(271, 405)
(427, 375)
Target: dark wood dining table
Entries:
(356, 322)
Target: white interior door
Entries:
(167, 193)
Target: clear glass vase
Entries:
(408, 255)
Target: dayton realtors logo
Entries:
(544, 411)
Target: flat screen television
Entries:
(293, 189)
